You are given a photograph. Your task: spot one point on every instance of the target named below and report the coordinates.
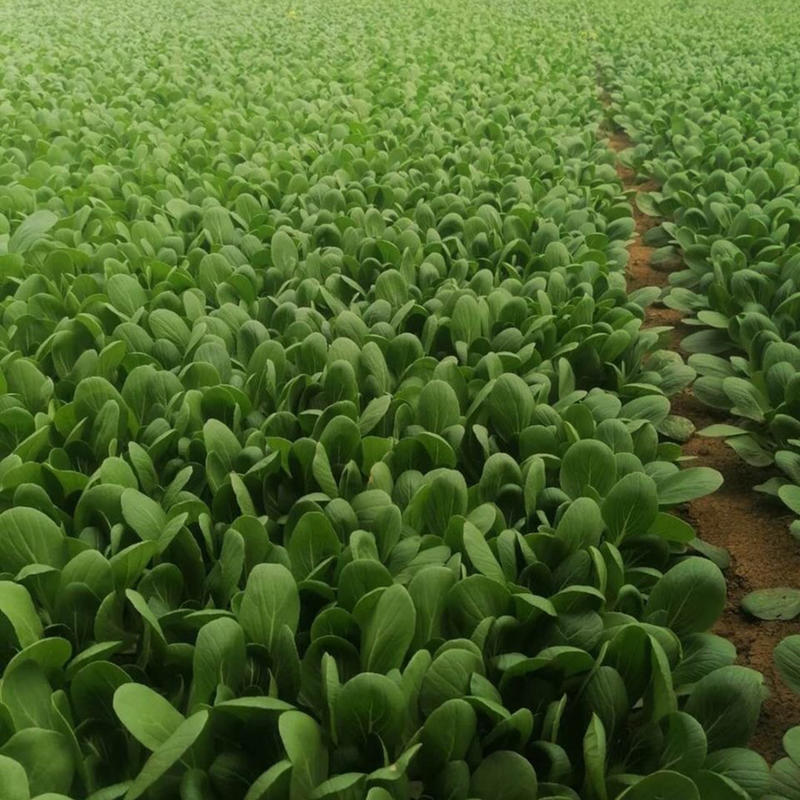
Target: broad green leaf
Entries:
(149, 717)
(437, 407)
(26, 693)
(28, 536)
(744, 767)
(480, 554)
(685, 746)
(369, 704)
(219, 658)
(273, 784)
(313, 540)
(631, 506)
(284, 252)
(790, 494)
(302, 739)
(672, 528)
(46, 757)
(168, 753)
(13, 780)
(594, 756)
(504, 775)
(727, 703)
(447, 733)
(690, 596)
(688, 484)
(663, 785)
(587, 463)
(778, 603)
(31, 230)
(389, 631)
(144, 515)
(17, 607)
(270, 600)
(787, 661)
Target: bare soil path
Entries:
(749, 525)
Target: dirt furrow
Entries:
(749, 525)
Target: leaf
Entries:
(258, 708)
(323, 474)
(46, 757)
(778, 603)
(17, 607)
(146, 613)
(31, 230)
(784, 781)
(721, 430)
(447, 733)
(219, 658)
(369, 704)
(149, 717)
(688, 484)
(388, 633)
(586, 463)
(144, 515)
(631, 506)
(747, 401)
(581, 525)
(13, 780)
(672, 528)
(168, 753)
(28, 536)
(709, 784)
(473, 599)
(312, 541)
(691, 595)
(437, 406)
(274, 784)
(346, 786)
(222, 443)
(717, 555)
(790, 495)
(791, 743)
(374, 412)
(428, 590)
(480, 554)
(594, 756)
(727, 703)
(284, 252)
(663, 785)
(534, 483)
(685, 744)
(787, 661)
(676, 427)
(510, 404)
(504, 775)
(270, 600)
(126, 293)
(26, 693)
(702, 654)
(744, 767)
(305, 748)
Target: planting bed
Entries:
(349, 444)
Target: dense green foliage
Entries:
(714, 115)
(335, 461)
(721, 135)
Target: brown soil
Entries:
(749, 525)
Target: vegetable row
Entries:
(712, 111)
(336, 462)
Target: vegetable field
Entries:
(399, 401)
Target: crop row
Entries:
(714, 118)
(335, 457)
